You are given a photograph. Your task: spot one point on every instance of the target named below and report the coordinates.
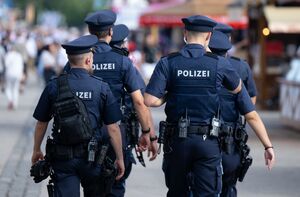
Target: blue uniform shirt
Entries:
(199, 85)
(115, 69)
(232, 105)
(95, 94)
(128, 100)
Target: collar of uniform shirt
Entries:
(193, 50)
(102, 46)
(78, 71)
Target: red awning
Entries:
(169, 15)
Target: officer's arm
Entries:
(153, 101)
(258, 127)
(115, 139)
(228, 76)
(141, 109)
(39, 133)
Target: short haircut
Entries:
(76, 59)
(99, 34)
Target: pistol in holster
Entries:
(246, 161)
(109, 174)
(227, 139)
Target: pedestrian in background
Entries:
(14, 67)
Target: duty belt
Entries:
(192, 129)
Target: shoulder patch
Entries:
(212, 55)
(171, 55)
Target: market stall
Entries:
(273, 40)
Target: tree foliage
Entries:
(74, 10)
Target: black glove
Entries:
(40, 171)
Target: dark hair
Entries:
(99, 34)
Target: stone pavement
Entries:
(16, 134)
(16, 129)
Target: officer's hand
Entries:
(120, 168)
(37, 155)
(144, 142)
(269, 157)
(153, 149)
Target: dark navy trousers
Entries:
(69, 174)
(119, 187)
(196, 155)
(231, 164)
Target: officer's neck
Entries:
(106, 39)
(196, 41)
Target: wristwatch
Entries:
(154, 138)
(146, 131)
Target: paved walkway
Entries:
(16, 129)
(16, 134)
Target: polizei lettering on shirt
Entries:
(193, 73)
(104, 66)
(84, 95)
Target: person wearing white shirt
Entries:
(14, 65)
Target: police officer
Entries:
(243, 67)
(188, 82)
(117, 70)
(118, 44)
(232, 106)
(101, 107)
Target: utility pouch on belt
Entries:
(71, 121)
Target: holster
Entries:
(108, 175)
(227, 138)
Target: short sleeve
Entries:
(227, 75)
(141, 81)
(250, 84)
(43, 111)
(244, 102)
(158, 81)
(131, 82)
(111, 108)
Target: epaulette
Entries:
(235, 58)
(212, 55)
(96, 77)
(120, 51)
(171, 55)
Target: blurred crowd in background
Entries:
(266, 34)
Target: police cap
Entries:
(219, 41)
(120, 33)
(226, 29)
(101, 20)
(199, 23)
(83, 44)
